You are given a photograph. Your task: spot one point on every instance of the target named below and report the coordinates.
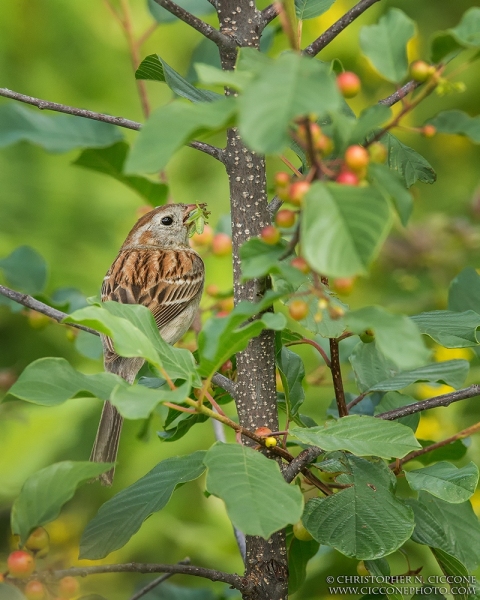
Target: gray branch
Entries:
(443, 400)
(231, 578)
(269, 13)
(331, 33)
(400, 93)
(90, 114)
(225, 383)
(301, 461)
(156, 582)
(53, 313)
(204, 28)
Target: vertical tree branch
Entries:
(337, 378)
(266, 563)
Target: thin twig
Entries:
(231, 578)
(400, 93)
(356, 400)
(274, 205)
(317, 347)
(301, 461)
(443, 400)
(146, 34)
(458, 436)
(337, 378)
(70, 110)
(153, 584)
(53, 313)
(331, 33)
(204, 28)
(59, 316)
(90, 114)
(134, 56)
(270, 13)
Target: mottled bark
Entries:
(266, 560)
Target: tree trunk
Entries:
(266, 560)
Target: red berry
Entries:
(212, 290)
(301, 264)
(263, 431)
(315, 133)
(297, 192)
(38, 539)
(226, 367)
(222, 314)
(222, 244)
(68, 587)
(285, 218)
(421, 71)
(378, 152)
(347, 178)
(20, 564)
(428, 131)
(356, 158)
(270, 235)
(343, 285)
(35, 590)
(298, 309)
(348, 84)
(226, 304)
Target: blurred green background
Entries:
(75, 53)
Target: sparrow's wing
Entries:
(165, 281)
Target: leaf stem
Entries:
(317, 347)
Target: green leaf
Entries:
(374, 372)
(343, 228)
(59, 133)
(396, 336)
(299, 553)
(135, 333)
(361, 435)
(385, 44)
(259, 258)
(247, 481)
(170, 127)
(138, 401)
(457, 122)
(450, 329)
(110, 161)
(10, 592)
(44, 493)
(122, 516)
(210, 75)
(409, 163)
(378, 567)
(292, 372)
(266, 111)
(453, 528)
(52, 381)
(364, 521)
(446, 44)
(445, 481)
(154, 68)
(464, 292)
(195, 7)
(309, 9)
(392, 400)
(392, 186)
(222, 337)
(206, 52)
(456, 573)
(25, 270)
(450, 372)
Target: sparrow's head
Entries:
(165, 226)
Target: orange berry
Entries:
(68, 587)
(324, 145)
(378, 152)
(263, 431)
(343, 285)
(212, 290)
(297, 191)
(282, 179)
(270, 235)
(226, 304)
(356, 158)
(421, 71)
(298, 309)
(35, 590)
(429, 131)
(205, 238)
(285, 218)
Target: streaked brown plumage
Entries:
(155, 267)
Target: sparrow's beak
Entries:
(187, 210)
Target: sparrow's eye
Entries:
(167, 221)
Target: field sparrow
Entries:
(157, 268)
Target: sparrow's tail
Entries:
(105, 447)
